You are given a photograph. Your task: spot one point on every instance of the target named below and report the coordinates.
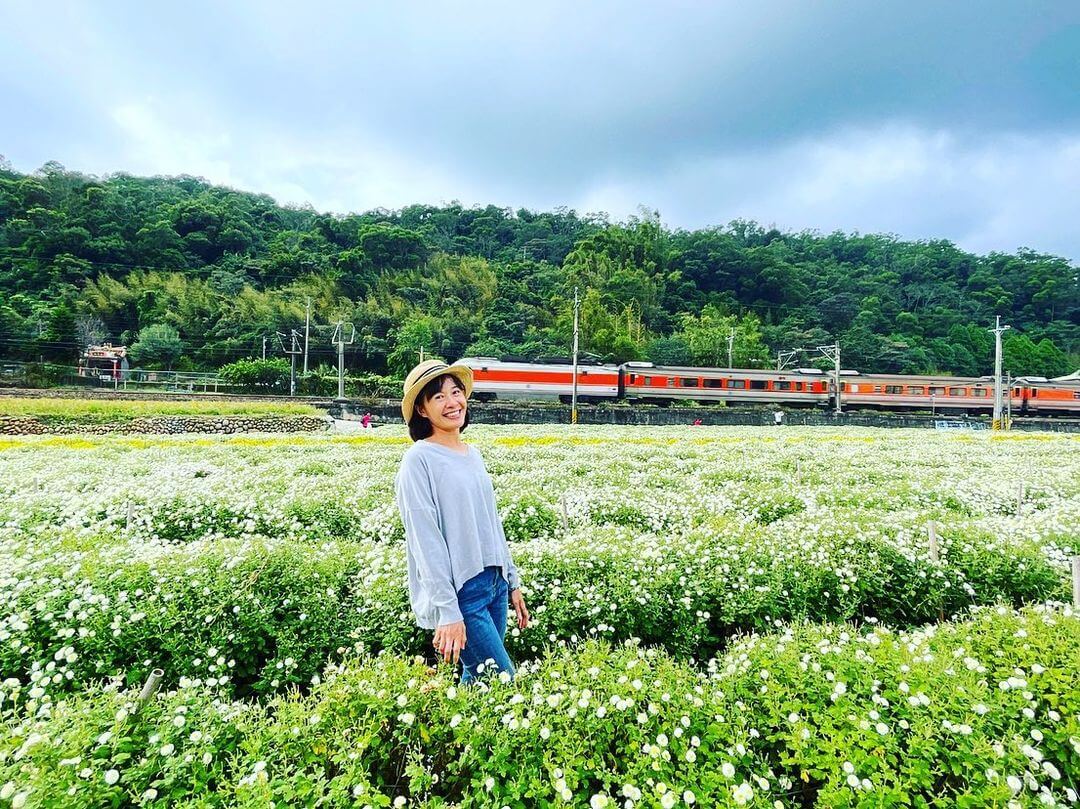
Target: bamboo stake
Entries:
(1076, 582)
(149, 687)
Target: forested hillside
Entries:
(145, 260)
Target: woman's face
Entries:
(446, 409)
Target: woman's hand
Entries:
(517, 600)
(450, 640)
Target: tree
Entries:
(710, 333)
(265, 376)
(157, 346)
(668, 351)
(420, 333)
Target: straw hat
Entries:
(424, 373)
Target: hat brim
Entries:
(463, 373)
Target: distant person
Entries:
(365, 422)
(462, 579)
(697, 423)
(778, 418)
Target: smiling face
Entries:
(446, 407)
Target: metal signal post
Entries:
(339, 340)
(293, 351)
(833, 353)
(998, 330)
(573, 397)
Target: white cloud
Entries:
(996, 192)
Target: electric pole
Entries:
(573, 396)
(730, 348)
(293, 351)
(339, 340)
(998, 330)
(307, 331)
(264, 346)
(833, 353)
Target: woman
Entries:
(460, 571)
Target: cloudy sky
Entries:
(956, 120)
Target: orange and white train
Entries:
(800, 387)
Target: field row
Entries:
(980, 712)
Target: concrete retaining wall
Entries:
(387, 412)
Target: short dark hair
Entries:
(420, 426)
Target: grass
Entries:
(98, 411)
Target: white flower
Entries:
(689, 798)
(168, 750)
(667, 800)
(111, 777)
(598, 801)
(742, 793)
(727, 769)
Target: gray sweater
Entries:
(452, 529)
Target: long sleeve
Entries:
(425, 541)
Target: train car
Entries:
(494, 378)
(646, 382)
(1048, 397)
(938, 393)
(801, 387)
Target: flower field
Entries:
(721, 616)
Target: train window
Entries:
(714, 383)
(758, 384)
(736, 383)
(688, 382)
(895, 390)
(843, 387)
(670, 381)
(937, 391)
(877, 388)
(916, 390)
(781, 385)
(798, 386)
(1076, 394)
(647, 379)
(633, 378)
(957, 392)
(979, 393)
(1034, 392)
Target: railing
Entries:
(44, 375)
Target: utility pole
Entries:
(573, 397)
(339, 340)
(293, 351)
(833, 353)
(730, 347)
(998, 330)
(307, 331)
(264, 346)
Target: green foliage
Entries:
(258, 375)
(833, 716)
(157, 346)
(227, 269)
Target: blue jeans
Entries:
(483, 601)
